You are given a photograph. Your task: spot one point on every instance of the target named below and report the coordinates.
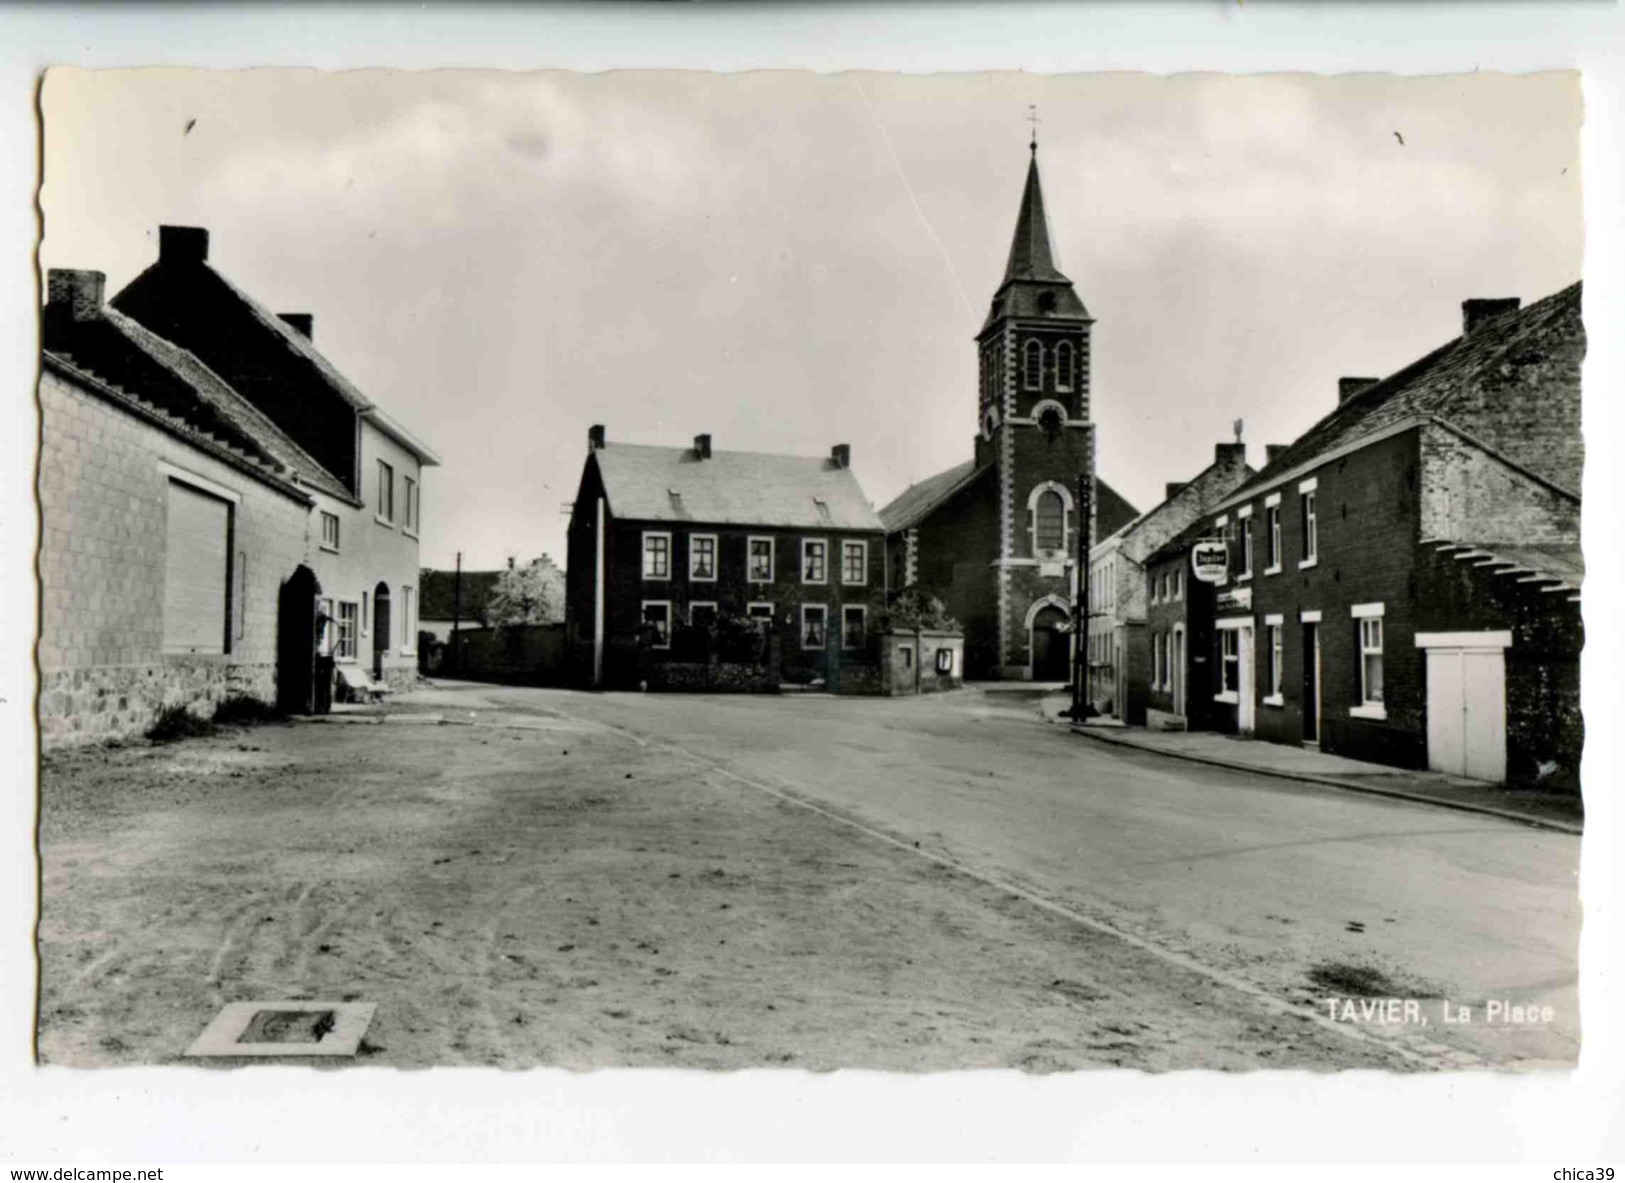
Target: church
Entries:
(996, 536)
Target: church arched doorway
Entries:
(1051, 641)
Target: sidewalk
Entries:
(1552, 811)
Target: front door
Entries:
(1051, 653)
(1467, 712)
(1245, 708)
(380, 629)
(1177, 664)
(1311, 683)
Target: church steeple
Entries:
(1033, 286)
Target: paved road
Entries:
(1262, 880)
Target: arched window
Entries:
(1063, 366)
(1050, 513)
(1033, 367)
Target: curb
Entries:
(1526, 819)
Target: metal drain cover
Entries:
(285, 1028)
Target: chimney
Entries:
(1475, 312)
(702, 446)
(1347, 388)
(1271, 451)
(183, 244)
(595, 438)
(1172, 488)
(78, 293)
(300, 322)
(842, 455)
(1235, 453)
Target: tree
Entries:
(532, 594)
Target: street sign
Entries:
(1210, 560)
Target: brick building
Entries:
(1120, 653)
(1179, 618)
(172, 513)
(996, 537)
(670, 547)
(368, 513)
(1404, 579)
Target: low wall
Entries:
(716, 676)
(115, 702)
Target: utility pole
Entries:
(457, 614)
(1080, 617)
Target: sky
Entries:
(789, 261)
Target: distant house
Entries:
(172, 514)
(1404, 579)
(448, 596)
(1120, 655)
(666, 544)
(996, 537)
(369, 512)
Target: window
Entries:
(814, 618)
(1272, 523)
(702, 557)
(1368, 623)
(656, 555)
(197, 570)
(1049, 532)
(906, 654)
(657, 616)
(1179, 583)
(409, 503)
(1156, 661)
(760, 568)
(330, 531)
(1230, 659)
(409, 621)
(702, 614)
(386, 493)
(366, 612)
(855, 563)
(1244, 526)
(854, 626)
(1063, 366)
(1311, 531)
(814, 560)
(1152, 581)
(1032, 369)
(761, 613)
(1273, 626)
(344, 650)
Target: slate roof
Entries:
(655, 484)
(1429, 386)
(145, 369)
(1033, 285)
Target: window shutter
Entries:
(196, 562)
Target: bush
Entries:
(912, 608)
(176, 723)
(244, 711)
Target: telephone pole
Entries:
(1080, 615)
(457, 614)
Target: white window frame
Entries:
(1362, 613)
(805, 543)
(1071, 366)
(772, 557)
(863, 569)
(355, 624)
(1244, 527)
(1232, 630)
(409, 506)
(643, 619)
(1156, 660)
(801, 637)
(716, 557)
(863, 614)
(330, 547)
(768, 604)
(643, 556)
(1272, 523)
(693, 604)
(1275, 628)
(380, 516)
(409, 624)
(327, 638)
(1027, 349)
(1309, 500)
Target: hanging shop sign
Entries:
(1210, 560)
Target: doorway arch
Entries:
(381, 625)
(1049, 639)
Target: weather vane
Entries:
(1032, 118)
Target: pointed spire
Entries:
(1030, 254)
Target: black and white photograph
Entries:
(1063, 576)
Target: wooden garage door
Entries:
(196, 571)
(1466, 696)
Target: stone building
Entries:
(669, 545)
(996, 537)
(1120, 655)
(1404, 579)
(368, 515)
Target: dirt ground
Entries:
(556, 892)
